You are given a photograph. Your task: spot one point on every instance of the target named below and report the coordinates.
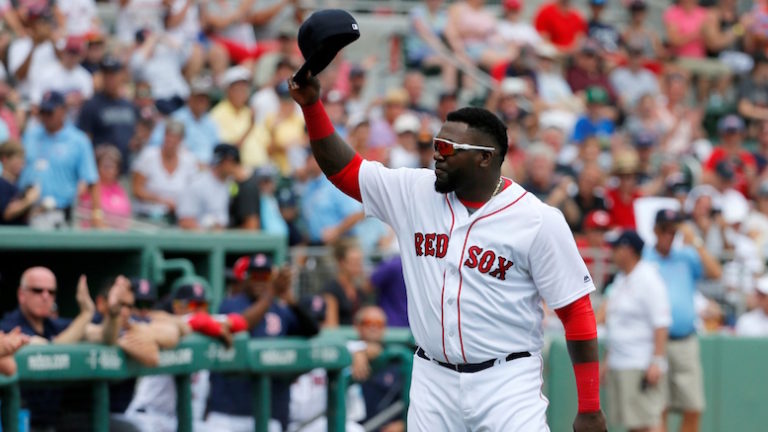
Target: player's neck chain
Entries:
(498, 187)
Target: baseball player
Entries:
(479, 255)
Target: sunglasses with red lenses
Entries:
(446, 147)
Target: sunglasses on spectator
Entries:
(40, 291)
(197, 305)
(448, 148)
(260, 276)
(373, 323)
(144, 304)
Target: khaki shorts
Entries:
(629, 405)
(686, 384)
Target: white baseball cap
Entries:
(407, 123)
(513, 86)
(762, 285)
(235, 74)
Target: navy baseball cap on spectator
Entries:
(644, 140)
(143, 290)
(190, 292)
(245, 266)
(629, 238)
(51, 100)
(725, 170)
(224, 152)
(190, 288)
(315, 305)
(668, 216)
(730, 124)
(637, 5)
(111, 64)
(287, 197)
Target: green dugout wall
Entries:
(101, 255)
(735, 385)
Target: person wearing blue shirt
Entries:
(594, 122)
(200, 131)
(59, 156)
(328, 213)
(681, 268)
(270, 309)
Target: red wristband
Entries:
(237, 323)
(319, 125)
(588, 385)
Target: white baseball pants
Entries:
(504, 398)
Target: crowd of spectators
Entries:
(179, 115)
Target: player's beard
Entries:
(445, 184)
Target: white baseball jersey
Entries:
(475, 282)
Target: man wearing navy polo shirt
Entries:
(681, 268)
(271, 310)
(36, 296)
(59, 156)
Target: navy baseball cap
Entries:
(644, 140)
(190, 288)
(665, 216)
(725, 170)
(223, 152)
(730, 123)
(315, 305)
(322, 36)
(110, 64)
(244, 266)
(629, 238)
(143, 290)
(52, 100)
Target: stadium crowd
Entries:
(179, 115)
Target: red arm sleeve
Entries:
(203, 323)
(348, 180)
(579, 321)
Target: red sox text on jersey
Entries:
(436, 245)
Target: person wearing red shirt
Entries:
(621, 199)
(731, 130)
(561, 24)
(593, 247)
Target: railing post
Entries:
(262, 401)
(100, 406)
(184, 402)
(337, 409)
(11, 399)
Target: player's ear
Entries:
(486, 159)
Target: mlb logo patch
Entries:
(354, 27)
(198, 289)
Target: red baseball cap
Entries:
(247, 264)
(513, 4)
(597, 219)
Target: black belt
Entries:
(470, 367)
(678, 338)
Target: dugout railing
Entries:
(258, 360)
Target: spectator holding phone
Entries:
(637, 320)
